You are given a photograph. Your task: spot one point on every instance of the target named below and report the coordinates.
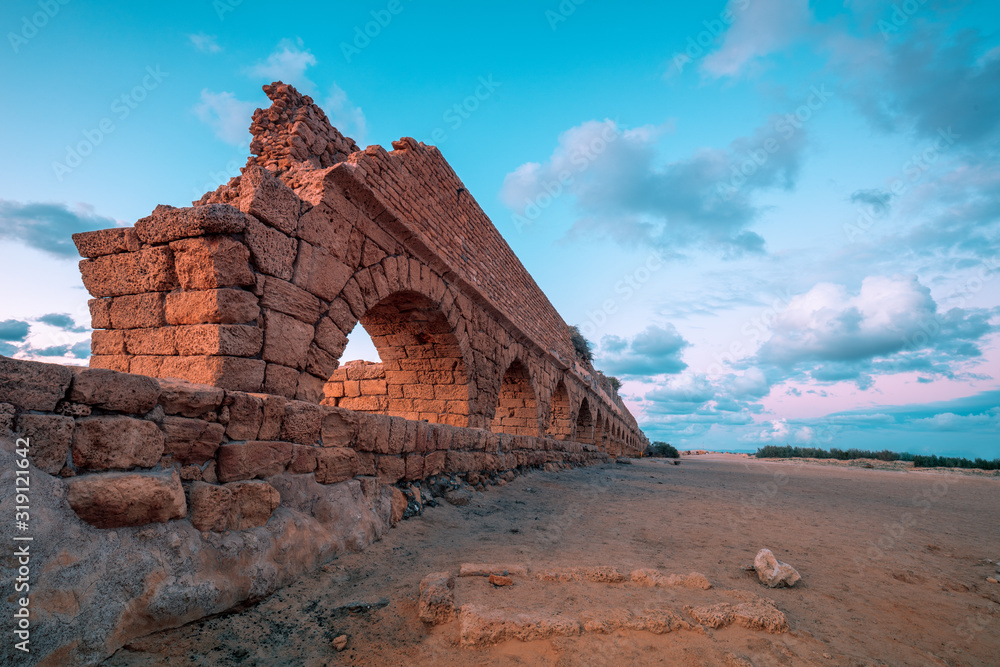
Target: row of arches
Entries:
(424, 374)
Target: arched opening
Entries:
(600, 434)
(585, 424)
(517, 406)
(422, 374)
(560, 417)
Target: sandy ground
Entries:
(893, 564)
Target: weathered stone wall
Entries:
(257, 286)
(156, 502)
(216, 449)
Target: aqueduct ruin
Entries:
(217, 449)
(257, 287)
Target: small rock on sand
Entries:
(437, 598)
(340, 643)
(991, 580)
(773, 573)
(500, 580)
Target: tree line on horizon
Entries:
(919, 460)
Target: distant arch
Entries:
(584, 431)
(517, 405)
(560, 416)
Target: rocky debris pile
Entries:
(754, 613)
(491, 612)
(772, 572)
(290, 138)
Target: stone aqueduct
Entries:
(257, 286)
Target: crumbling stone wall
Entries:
(155, 502)
(256, 287)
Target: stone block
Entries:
(281, 381)
(179, 397)
(210, 504)
(434, 463)
(158, 341)
(264, 196)
(303, 459)
(319, 272)
(191, 440)
(286, 298)
(252, 505)
(107, 343)
(273, 414)
(320, 363)
(437, 598)
(109, 390)
(247, 460)
(49, 439)
(373, 433)
(340, 428)
(149, 270)
(272, 252)
(330, 338)
(237, 340)
(117, 500)
(100, 313)
(310, 388)
(215, 306)
(286, 340)
(335, 464)
(106, 242)
(113, 442)
(210, 262)
(235, 373)
(390, 469)
(111, 362)
(302, 422)
(31, 385)
(167, 223)
(322, 226)
(138, 311)
(246, 414)
(414, 467)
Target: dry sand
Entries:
(893, 564)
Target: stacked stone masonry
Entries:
(134, 450)
(217, 441)
(257, 286)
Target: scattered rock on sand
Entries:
(437, 598)
(459, 497)
(340, 643)
(486, 627)
(486, 569)
(773, 573)
(651, 577)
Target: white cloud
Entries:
(205, 43)
(228, 116)
(828, 324)
(287, 63)
(760, 27)
(624, 191)
(346, 117)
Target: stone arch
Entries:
(420, 337)
(584, 431)
(600, 432)
(560, 415)
(517, 403)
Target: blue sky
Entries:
(777, 221)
